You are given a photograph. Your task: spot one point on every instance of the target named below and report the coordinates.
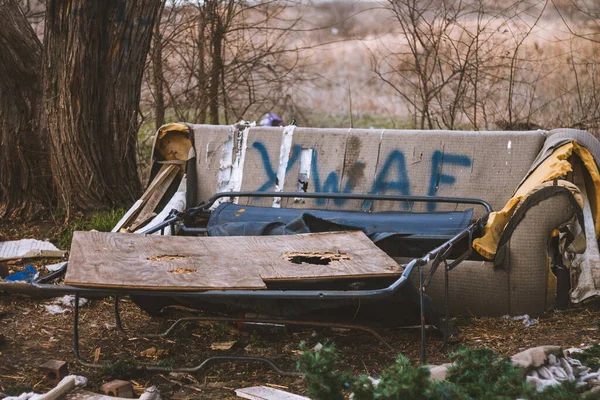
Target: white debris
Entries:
(69, 301)
(284, 157)
(28, 248)
(151, 393)
(67, 384)
(24, 396)
(527, 320)
(55, 309)
(231, 173)
(267, 393)
(55, 267)
(58, 304)
(563, 369)
(545, 366)
(541, 384)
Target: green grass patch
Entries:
(102, 221)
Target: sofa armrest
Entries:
(522, 250)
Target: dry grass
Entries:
(334, 85)
(34, 336)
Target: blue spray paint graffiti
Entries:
(400, 185)
(437, 177)
(266, 160)
(331, 185)
(392, 177)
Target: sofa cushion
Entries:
(486, 165)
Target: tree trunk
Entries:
(217, 61)
(202, 84)
(24, 177)
(157, 69)
(94, 59)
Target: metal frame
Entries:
(435, 257)
(179, 218)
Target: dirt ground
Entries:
(33, 336)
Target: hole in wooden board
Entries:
(182, 271)
(165, 257)
(314, 258)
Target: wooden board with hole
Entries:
(100, 259)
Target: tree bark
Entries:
(94, 58)
(24, 178)
(202, 83)
(217, 33)
(157, 69)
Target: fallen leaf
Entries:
(153, 352)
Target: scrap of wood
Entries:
(139, 222)
(128, 215)
(100, 259)
(223, 345)
(132, 213)
(162, 174)
(267, 393)
(158, 192)
(28, 248)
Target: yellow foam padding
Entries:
(174, 126)
(173, 141)
(556, 166)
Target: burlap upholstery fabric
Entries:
(487, 165)
(520, 284)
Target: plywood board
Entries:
(101, 259)
(267, 393)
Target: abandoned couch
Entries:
(539, 248)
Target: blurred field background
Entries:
(431, 64)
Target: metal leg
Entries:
(76, 336)
(447, 305)
(118, 323)
(275, 321)
(269, 363)
(154, 368)
(421, 289)
(210, 360)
